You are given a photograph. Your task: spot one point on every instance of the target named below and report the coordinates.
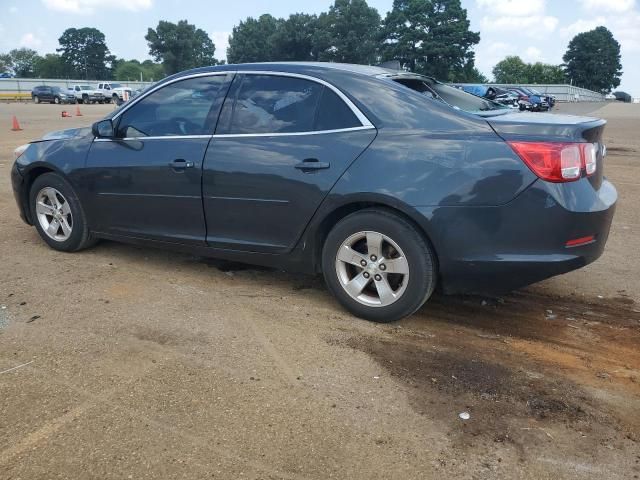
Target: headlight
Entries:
(17, 153)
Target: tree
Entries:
(593, 60)
(85, 53)
(469, 74)
(51, 66)
(127, 70)
(253, 40)
(180, 46)
(23, 61)
(545, 73)
(514, 70)
(511, 70)
(348, 33)
(293, 39)
(431, 37)
(153, 71)
(6, 63)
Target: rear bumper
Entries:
(497, 249)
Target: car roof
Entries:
(294, 67)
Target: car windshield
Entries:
(454, 97)
(56, 89)
(85, 87)
(116, 85)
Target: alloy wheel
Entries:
(372, 269)
(54, 214)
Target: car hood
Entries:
(66, 134)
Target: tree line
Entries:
(430, 37)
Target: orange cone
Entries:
(78, 114)
(16, 125)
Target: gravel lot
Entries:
(139, 363)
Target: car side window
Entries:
(187, 107)
(271, 104)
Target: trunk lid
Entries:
(551, 127)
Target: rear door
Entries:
(282, 142)
(46, 94)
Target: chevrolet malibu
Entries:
(389, 183)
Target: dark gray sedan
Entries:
(386, 182)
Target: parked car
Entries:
(114, 92)
(450, 95)
(490, 92)
(6, 75)
(549, 99)
(44, 93)
(348, 170)
(528, 100)
(87, 94)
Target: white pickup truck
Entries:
(114, 91)
(87, 94)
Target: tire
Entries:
(36, 99)
(41, 191)
(85, 99)
(56, 100)
(115, 99)
(387, 296)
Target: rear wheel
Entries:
(378, 265)
(58, 215)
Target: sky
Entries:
(536, 30)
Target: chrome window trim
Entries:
(292, 134)
(237, 135)
(362, 118)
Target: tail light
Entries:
(557, 162)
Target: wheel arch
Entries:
(327, 219)
(30, 177)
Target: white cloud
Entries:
(618, 6)
(533, 54)
(513, 8)
(87, 7)
(30, 40)
(533, 26)
(221, 41)
(624, 28)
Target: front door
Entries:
(146, 182)
(281, 144)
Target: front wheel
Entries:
(58, 215)
(378, 265)
(36, 99)
(56, 100)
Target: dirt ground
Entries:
(136, 363)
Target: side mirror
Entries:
(103, 129)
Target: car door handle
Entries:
(181, 164)
(311, 164)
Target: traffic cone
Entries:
(16, 125)
(78, 114)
